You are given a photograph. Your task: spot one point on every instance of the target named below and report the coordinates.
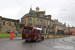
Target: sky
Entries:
(63, 10)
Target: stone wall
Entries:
(54, 36)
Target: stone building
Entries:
(38, 19)
(7, 24)
(59, 27)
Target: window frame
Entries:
(9, 23)
(15, 23)
(37, 21)
(40, 21)
(44, 22)
(30, 20)
(50, 23)
(3, 22)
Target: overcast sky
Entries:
(63, 10)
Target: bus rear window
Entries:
(29, 30)
(25, 30)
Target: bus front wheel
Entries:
(26, 40)
(42, 38)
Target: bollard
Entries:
(11, 35)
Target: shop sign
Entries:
(38, 26)
(43, 26)
(50, 27)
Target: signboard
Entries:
(50, 27)
(64, 29)
(43, 26)
(38, 26)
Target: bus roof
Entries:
(28, 27)
(37, 28)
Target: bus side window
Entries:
(25, 30)
(40, 31)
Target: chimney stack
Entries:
(65, 24)
(37, 9)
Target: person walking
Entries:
(16, 33)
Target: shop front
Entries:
(50, 29)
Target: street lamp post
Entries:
(34, 18)
(68, 29)
(54, 26)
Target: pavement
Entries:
(17, 38)
(14, 38)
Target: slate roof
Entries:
(31, 14)
(3, 18)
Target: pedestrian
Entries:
(16, 33)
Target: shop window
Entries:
(43, 30)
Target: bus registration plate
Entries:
(26, 35)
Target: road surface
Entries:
(66, 43)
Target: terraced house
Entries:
(38, 19)
(7, 24)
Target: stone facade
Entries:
(8, 24)
(41, 20)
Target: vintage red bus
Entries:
(32, 34)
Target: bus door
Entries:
(38, 33)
